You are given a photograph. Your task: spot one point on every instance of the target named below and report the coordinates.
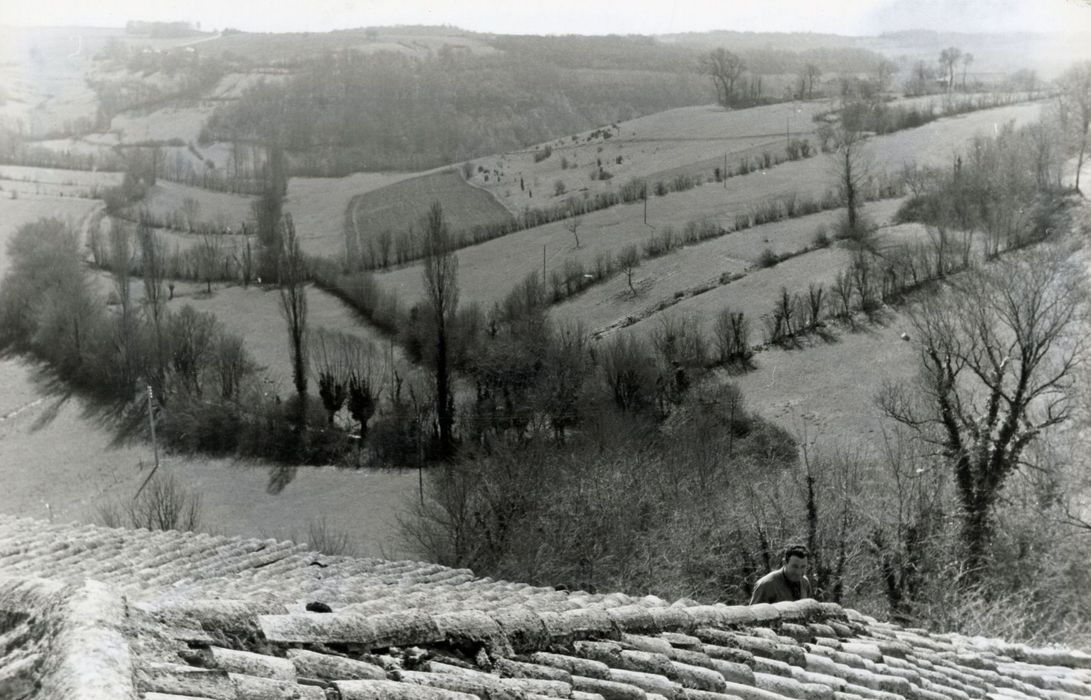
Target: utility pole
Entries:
(151, 421)
(543, 265)
(725, 170)
(155, 445)
(645, 191)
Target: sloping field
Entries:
(489, 270)
(664, 141)
(42, 71)
(659, 280)
(56, 176)
(255, 314)
(828, 388)
(233, 85)
(267, 48)
(318, 206)
(754, 294)
(174, 122)
(220, 208)
(27, 208)
(60, 463)
(401, 206)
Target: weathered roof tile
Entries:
(329, 667)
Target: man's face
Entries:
(795, 568)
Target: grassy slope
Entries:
(266, 48)
(402, 205)
(829, 387)
(255, 314)
(660, 279)
(60, 461)
(318, 206)
(650, 145)
(489, 270)
(27, 208)
(222, 208)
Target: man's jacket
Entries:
(774, 588)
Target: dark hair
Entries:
(796, 550)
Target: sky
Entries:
(852, 17)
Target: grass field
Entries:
(606, 305)
(827, 388)
(267, 48)
(176, 121)
(55, 176)
(489, 270)
(648, 146)
(61, 463)
(318, 206)
(402, 205)
(220, 208)
(255, 314)
(28, 208)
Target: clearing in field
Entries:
(400, 207)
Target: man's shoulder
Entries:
(770, 577)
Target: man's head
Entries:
(795, 563)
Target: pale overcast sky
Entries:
(855, 17)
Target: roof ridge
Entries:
(520, 628)
(75, 631)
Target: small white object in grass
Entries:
(905, 336)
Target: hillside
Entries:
(490, 269)
(503, 132)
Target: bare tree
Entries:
(384, 240)
(209, 253)
(328, 362)
(441, 285)
(192, 335)
(725, 69)
(732, 336)
(967, 59)
(153, 262)
(999, 349)
(120, 261)
(231, 364)
(1076, 102)
(852, 167)
(947, 59)
(293, 305)
(884, 71)
(629, 259)
(572, 223)
(163, 504)
(811, 73)
(190, 208)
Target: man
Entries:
(786, 583)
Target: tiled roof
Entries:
(101, 613)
